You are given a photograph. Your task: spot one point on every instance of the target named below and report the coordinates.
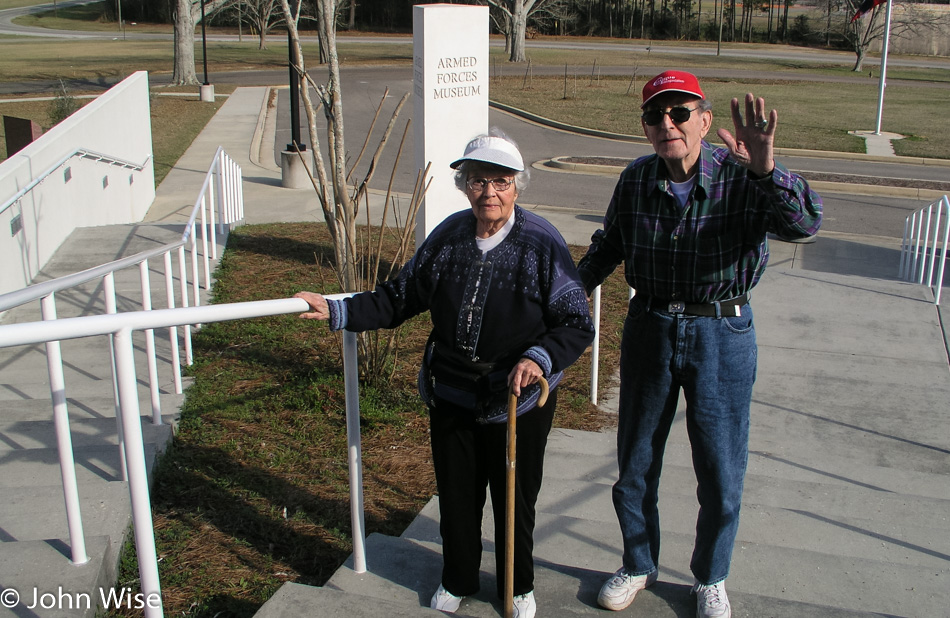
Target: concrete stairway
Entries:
(783, 556)
(34, 540)
(847, 502)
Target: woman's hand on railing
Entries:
(318, 303)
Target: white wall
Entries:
(80, 193)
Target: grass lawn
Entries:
(806, 120)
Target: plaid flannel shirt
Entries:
(714, 248)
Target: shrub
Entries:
(63, 105)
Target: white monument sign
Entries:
(450, 79)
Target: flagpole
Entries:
(880, 96)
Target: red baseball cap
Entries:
(671, 81)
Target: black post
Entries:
(295, 145)
(204, 41)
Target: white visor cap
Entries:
(494, 150)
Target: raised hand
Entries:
(752, 145)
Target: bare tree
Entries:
(339, 210)
(185, 15)
(339, 196)
(907, 20)
(263, 15)
(184, 71)
(515, 15)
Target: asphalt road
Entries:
(363, 90)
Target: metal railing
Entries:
(119, 329)
(221, 192)
(82, 154)
(595, 345)
(919, 248)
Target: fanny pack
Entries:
(463, 382)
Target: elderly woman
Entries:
(507, 308)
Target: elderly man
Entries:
(689, 224)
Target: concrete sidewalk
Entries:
(847, 497)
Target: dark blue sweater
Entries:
(523, 299)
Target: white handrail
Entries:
(595, 346)
(230, 202)
(45, 288)
(54, 363)
(119, 327)
(921, 245)
(79, 152)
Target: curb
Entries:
(254, 153)
(795, 152)
(563, 126)
(817, 185)
(262, 128)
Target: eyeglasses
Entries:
(479, 184)
(679, 115)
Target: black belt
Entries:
(716, 309)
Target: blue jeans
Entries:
(714, 362)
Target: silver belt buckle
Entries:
(677, 306)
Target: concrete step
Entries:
(94, 464)
(406, 572)
(835, 485)
(92, 246)
(41, 570)
(89, 299)
(37, 513)
(87, 368)
(82, 407)
(81, 389)
(295, 600)
(84, 432)
(574, 514)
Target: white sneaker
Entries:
(445, 601)
(525, 606)
(619, 591)
(711, 600)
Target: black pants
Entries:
(468, 456)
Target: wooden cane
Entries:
(510, 501)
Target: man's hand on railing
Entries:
(318, 303)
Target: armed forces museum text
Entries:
(455, 78)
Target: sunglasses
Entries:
(678, 114)
(479, 184)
